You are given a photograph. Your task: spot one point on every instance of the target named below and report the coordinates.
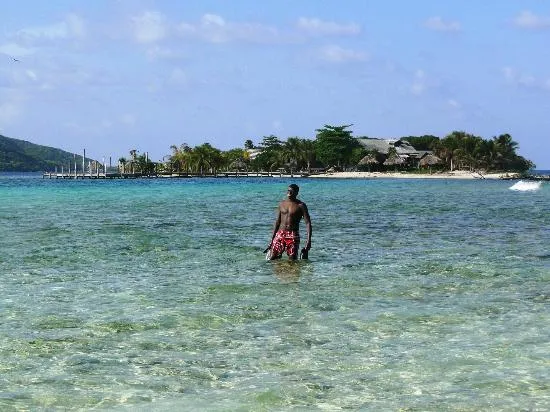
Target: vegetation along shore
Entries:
(334, 152)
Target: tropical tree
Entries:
(271, 156)
(335, 144)
(308, 153)
(446, 148)
(506, 157)
(122, 164)
(144, 164)
(180, 160)
(236, 159)
(205, 157)
(292, 154)
(468, 151)
(271, 142)
(299, 153)
(357, 154)
(133, 160)
(425, 142)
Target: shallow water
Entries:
(154, 294)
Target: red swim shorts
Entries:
(285, 240)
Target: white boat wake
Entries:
(522, 186)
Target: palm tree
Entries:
(122, 164)
(505, 149)
(181, 157)
(308, 152)
(446, 148)
(206, 157)
(291, 153)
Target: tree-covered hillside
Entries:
(22, 156)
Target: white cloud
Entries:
(164, 53)
(76, 26)
(316, 26)
(213, 28)
(438, 24)
(529, 20)
(337, 54)
(149, 27)
(26, 41)
(419, 83)
(15, 50)
(454, 104)
(213, 20)
(71, 27)
(31, 75)
(525, 80)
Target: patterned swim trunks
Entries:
(285, 240)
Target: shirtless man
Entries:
(286, 234)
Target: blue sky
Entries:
(111, 76)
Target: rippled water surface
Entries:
(155, 295)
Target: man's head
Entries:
(292, 191)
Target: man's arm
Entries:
(307, 221)
(276, 225)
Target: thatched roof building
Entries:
(404, 150)
(395, 161)
(430, 160)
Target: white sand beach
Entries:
(457, 174)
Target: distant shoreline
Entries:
(460, 174)
(457, 174)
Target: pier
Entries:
(97, 170)
(103, 175)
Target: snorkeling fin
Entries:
(304, 253)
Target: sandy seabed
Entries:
(460, 174)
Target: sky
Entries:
(110, 76)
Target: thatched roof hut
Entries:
(238, 164)
(430, 160)
(368, 160)
(394, 161)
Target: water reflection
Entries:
(287, 271)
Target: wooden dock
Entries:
(54, 175)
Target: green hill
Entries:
(22, 156)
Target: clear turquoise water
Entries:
(154, 295)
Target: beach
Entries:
(461, 174)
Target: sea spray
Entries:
(522, 186)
